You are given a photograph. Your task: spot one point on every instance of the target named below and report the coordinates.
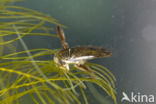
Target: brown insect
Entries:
(78, 55)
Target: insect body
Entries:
(78, 55)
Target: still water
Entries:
(127, 27)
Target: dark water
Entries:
(127, 27)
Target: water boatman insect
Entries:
(78, 55)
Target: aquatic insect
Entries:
(77, 55)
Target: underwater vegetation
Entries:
(25, 75)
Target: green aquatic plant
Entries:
(26, 75)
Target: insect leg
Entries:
(62, 37)
(85, 69)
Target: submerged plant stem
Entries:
(32, 60)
